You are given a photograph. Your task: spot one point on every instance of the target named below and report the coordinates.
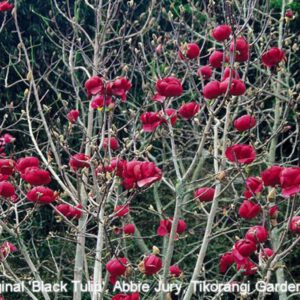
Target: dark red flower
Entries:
(121, 210)
(221, 33)
(79, 161)
(129, 229)
(138, 173)
(5, 6)
(244, 123)
(234, 74)
(69, 211)
(271, 176)
(226, 260)
(120, 86)
(116, 267)
(290, 181)
(237, 87)
(257, 234)
(241, 49)
(41, 194)
(113, 143)
(152, 264)
(212, 90)
(175, 271)
(205, 72)
(169, 87)
(295, 224)
(241, 153)
(205, 194)
(216, 59)
(247, 268)
(253, 186)
(191, 51)
(26, 162)
(273, 57)
(98, 102)
(94, 85)
(73, 116)
(244, 247)
(7, 166)
(249, 210)
(150, 121)
(188, 110)
(7, 190)
(36, 176)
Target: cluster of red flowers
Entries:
(275, 176)
(29, 169)
(103, 91)
(134, 173)
(151, 120)
(244, 248)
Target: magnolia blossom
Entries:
(140, 174)
(79, 161)
(36, 176)
(241, 153)
(150, 121)
(69, 211)
(271, 176)
(257, 234)
(94, 85)
(7, 190)
(169, 87)
(116, 267)
(249, 209)
(175, 271)
(273, 57)
(241, 48)
(205, 194)
(151, 265)
(188, 110)
(221, 33)
(27, 162)
(244, 123)
(73, 115)
(216, 59)
(41, 194)
(290, 181)
(190, 51)
(212, 90)
(226, 260)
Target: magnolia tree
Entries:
(148, 142)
